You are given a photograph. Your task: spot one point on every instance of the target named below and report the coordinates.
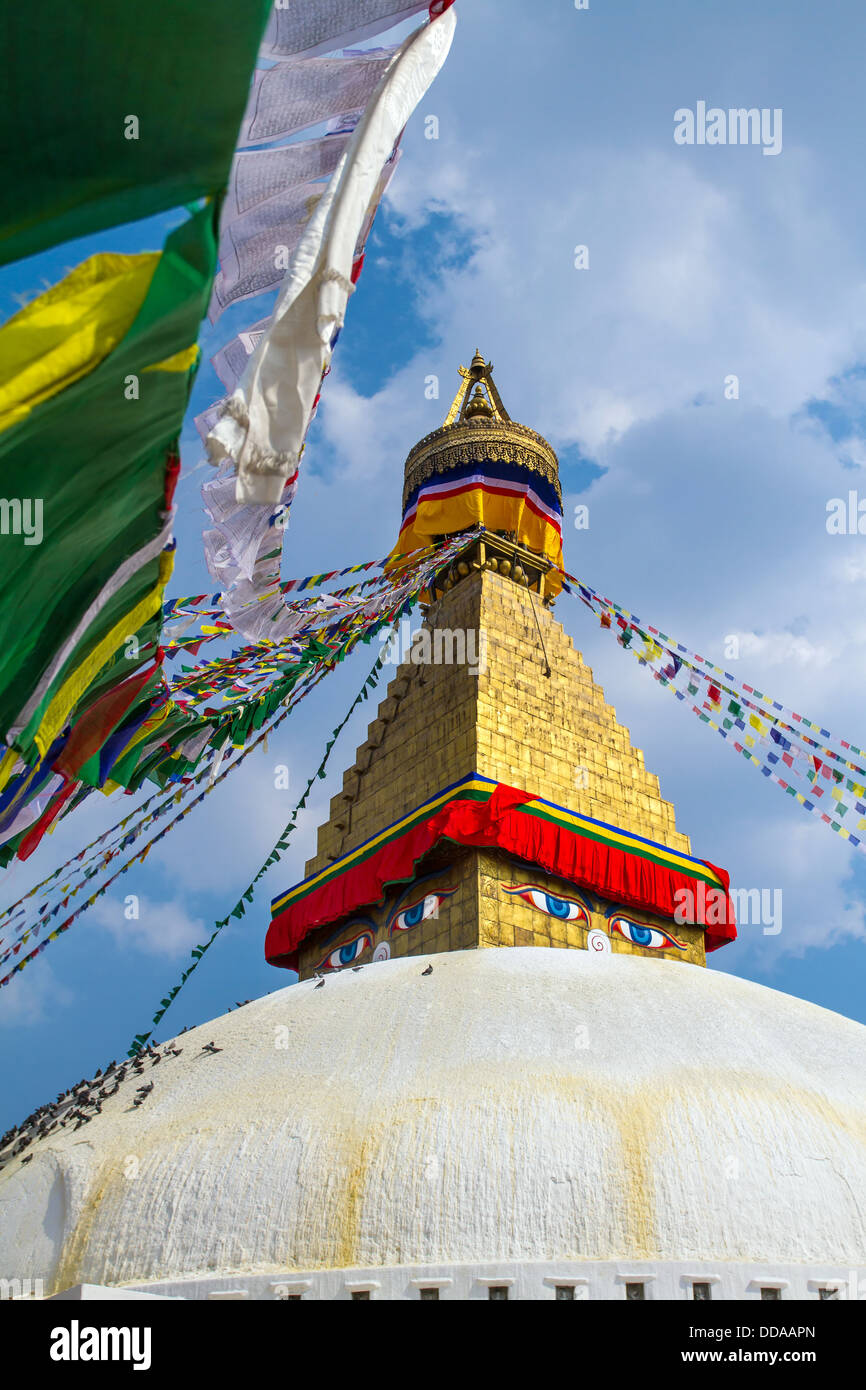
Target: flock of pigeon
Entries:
(83, 1101)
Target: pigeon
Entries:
(211, 1047)
(428, 971)
(27, 1159)
(320, 982)
(356, 968)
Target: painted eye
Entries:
(639, 934)
(566, 909)
(348, 952)
(409, 917)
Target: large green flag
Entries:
(94, 456)
(113, 111)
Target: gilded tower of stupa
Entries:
(496, 800)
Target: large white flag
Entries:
(264, 421)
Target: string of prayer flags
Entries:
(171, 763)
(138, 858)
(76, 859)
(829, 782)
(282, 844)
(163, 739)
(186, 606)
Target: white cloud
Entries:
(33, 996)
(796, 857)
(158, 929)
(779, 648)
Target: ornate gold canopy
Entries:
(476, 427)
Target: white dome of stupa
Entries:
(518, 1118)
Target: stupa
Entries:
(504, 1072)
(496, 801)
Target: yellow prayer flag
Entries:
(66, 332)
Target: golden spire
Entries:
(485, 399)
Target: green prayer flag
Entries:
(115, 112)
(98, 461)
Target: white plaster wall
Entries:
(517, 1105)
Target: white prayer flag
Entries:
(257, 247)
(208, 419)
(321, 26)
(258, 175)
(292, 96)
(230, 361)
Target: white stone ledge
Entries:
(594, 1280)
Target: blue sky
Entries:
(707, 515)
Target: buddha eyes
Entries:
(639, 934)
(348, 952)
(419, 911)
(566, 909)
(572, 910)
(408, 917)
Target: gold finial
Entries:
(479, 373)
(478, 405)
